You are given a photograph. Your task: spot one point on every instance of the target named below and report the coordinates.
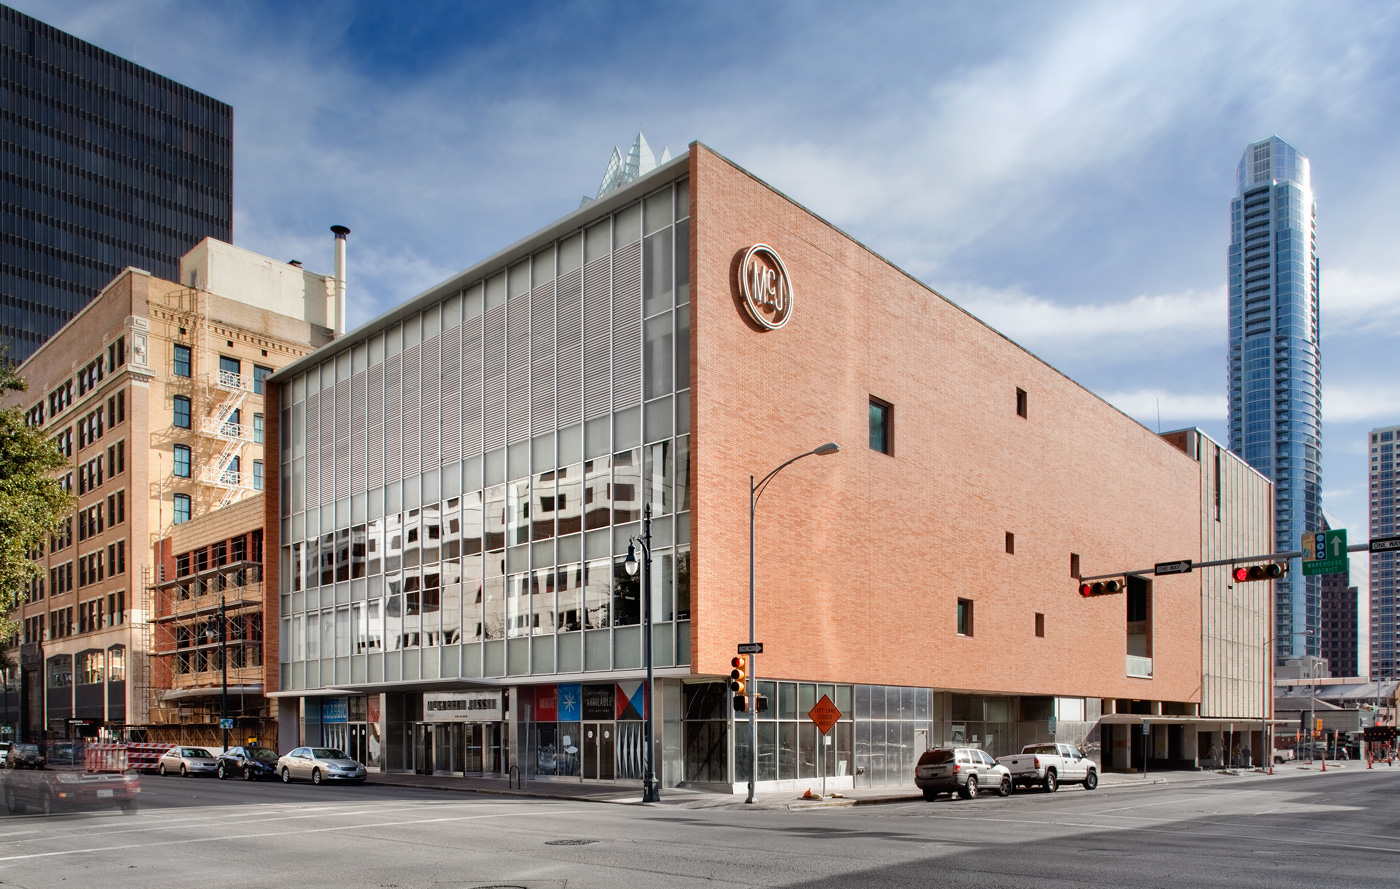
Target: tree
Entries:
(31, 502)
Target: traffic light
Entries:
(738, 682)
(1269, 571)
(1100, 588)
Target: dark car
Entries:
(67, 790)
(25, 756)
(248, 763)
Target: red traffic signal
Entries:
(1270, 571)
(1100, 588)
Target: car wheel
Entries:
(222, 773)
(1005, 788)
(1052, 781)
(161, 769)
(184, 772)
(247, 774)
(969, 790)
(930, 795)
(315, 776)
(286, 776)
(1091, 780)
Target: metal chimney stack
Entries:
(339, 319)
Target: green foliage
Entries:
(31, 503)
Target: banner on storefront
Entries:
(570, 702)
(598, 702)
(335, 710)
(546, 703)
(462, 706)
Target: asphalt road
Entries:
(1341, 828)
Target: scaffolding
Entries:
(197, 620)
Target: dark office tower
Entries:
(1340, 622)
(103, 165)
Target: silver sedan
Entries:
(186, 761)
(318, 765)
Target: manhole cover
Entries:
(569, 842)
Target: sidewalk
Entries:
(680, 797)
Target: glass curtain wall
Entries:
(459, 489)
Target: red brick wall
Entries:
(862, 556)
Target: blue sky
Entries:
(1063, 170)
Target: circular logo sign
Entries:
(767, 289)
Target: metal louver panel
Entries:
(597, 339)
(430, 373)
(342, 410)
(412, 402)
(451, 425)
(327, 436)
(327, 464)
(542, 357)
(471, 389)
(627, 327)
(342, 469)
(313, 448)
(569, 346)
(518, 368)
(393, 416)
(374, 409)
(494, 379)
(359, 403)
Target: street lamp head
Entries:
(631, 563)
(830, 447)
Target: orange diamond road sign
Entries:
(825, 714)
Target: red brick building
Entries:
(661, 346)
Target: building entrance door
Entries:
(599, 739)
(423, 748)
(480, 748)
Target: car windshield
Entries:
(936, 757)
(263, 754)
(327, 753)
(197, 752)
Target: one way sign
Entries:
(1182, 566)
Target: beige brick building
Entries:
(155, 393)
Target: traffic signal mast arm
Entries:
(1266, 557)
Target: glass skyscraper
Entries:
(104, 165)
(1385, 634)
(1275, 421)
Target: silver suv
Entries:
(960, 770)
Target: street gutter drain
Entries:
(569, 842)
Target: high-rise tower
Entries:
(103, 165)
(1275, 387)
(1385, 631)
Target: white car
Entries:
(318, 765)
(186, 761)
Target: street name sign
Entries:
(1325, 552)
(1385, 544)
(751, 648)
(1181, 566)
(824, 714)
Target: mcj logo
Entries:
(763, 279)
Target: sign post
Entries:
(825, 716)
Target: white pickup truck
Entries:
(1049, 765)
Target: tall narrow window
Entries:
(964, 617)
(1074, 565)
(183, 364)
(257, 428)
(260, 375)
(1020, 402)
(229, 370)
(182, 412)
(182, 508)
(881, 426)
(257, 475)
(182, 461)
(1039, 624)
(1010, 543)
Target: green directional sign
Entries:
(1325, 552)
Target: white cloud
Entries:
(1360, 401)
(1361, 301)
(1176, 407)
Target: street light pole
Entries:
(223, 661)
(650, 792)
(755, 492)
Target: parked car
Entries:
(248, 763)
(25, 756)
(960, 770)
(1049, 765)
(318, 765)
(4, 752)
(187, 761)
